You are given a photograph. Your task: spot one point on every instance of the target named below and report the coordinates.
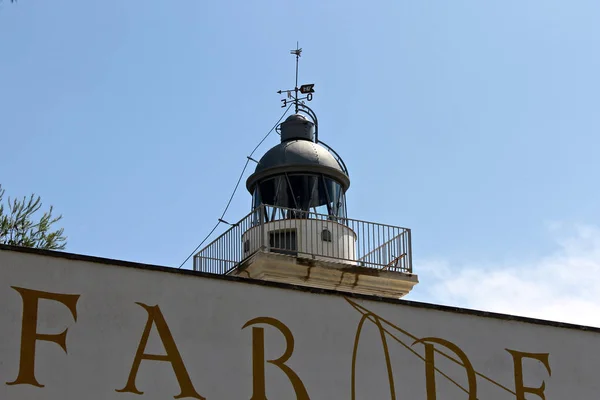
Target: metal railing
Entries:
(307, 234)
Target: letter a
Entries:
(258, 358)
(155, 317)
(29, 334)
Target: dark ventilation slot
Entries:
(326, 235)
(283, 242)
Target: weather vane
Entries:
(292, 94)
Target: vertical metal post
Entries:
(409, 251)
(262, 228)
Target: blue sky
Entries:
(473, 123)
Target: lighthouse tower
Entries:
(298, 230)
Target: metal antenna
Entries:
(303, 89)
(297, 52)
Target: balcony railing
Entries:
(306, 234)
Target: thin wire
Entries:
(236, 186)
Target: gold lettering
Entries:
(156, 317)
(258, 358)
(430, 366)
(430, 371)
(388, 362)
(520, 387)
(29, 334)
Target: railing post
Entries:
(409, 252)
(262, 227)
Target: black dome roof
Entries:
(298, 156)
(298, 153)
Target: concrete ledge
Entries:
(344, 277)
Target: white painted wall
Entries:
(206, 315)
(309, 238)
